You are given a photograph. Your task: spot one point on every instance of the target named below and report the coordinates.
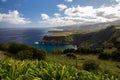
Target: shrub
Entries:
(15, 48)
(104, 56)
(39, 54)
(25, 54)
(69, 51)
(1, 46)
(71, 56)
(91, 65)
(88, 50)
(115, 56)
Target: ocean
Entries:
(29, 36)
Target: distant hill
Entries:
(97, 38)
(89, 27)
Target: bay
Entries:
(28, 36)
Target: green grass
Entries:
(110, 51)
(62, 34)
(11, 69)
(105, 66)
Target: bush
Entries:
(91, 66)
(39, 54)
(115, 56)
(1, 46)
(69, 51)
(15, 48)
(22, 51)
(71, 56)
(104, 56)
(25, 54)
(88, 50)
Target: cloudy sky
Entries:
(50, 13)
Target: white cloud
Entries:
(102, 14)
(69, 0)
(13, 17)
(44, 16)
(56, 22)
(84, 15)
(80, 11)
(111, 12)
(117, 1)
(61, 7)
(3, 0)
(57, 15)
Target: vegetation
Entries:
(91, 65)
(56, 51)
(71, 56)
(97, 65)
(40, 70)
(22, 51)
(62, 34)
(83, 51)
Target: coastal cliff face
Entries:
(58, 38)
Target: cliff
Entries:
(59, 38)
(82, 39)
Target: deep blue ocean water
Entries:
(28, 36)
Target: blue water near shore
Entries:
(28, 36)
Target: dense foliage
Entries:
(115, 56)
(91, 65)
(71, 55)
(40, 70)
(83, 50)
(22, 51)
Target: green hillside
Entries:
(98, 38)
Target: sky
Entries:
(53, 13)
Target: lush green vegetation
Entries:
(97, 54)
(40, 70)
(22, 51)
(90, 61)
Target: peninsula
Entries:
(58, 38)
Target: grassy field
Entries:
(105, 66)
(62, 34)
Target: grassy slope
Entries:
(94, 38)
(106, 66)
(41, 70)
(61, 34)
